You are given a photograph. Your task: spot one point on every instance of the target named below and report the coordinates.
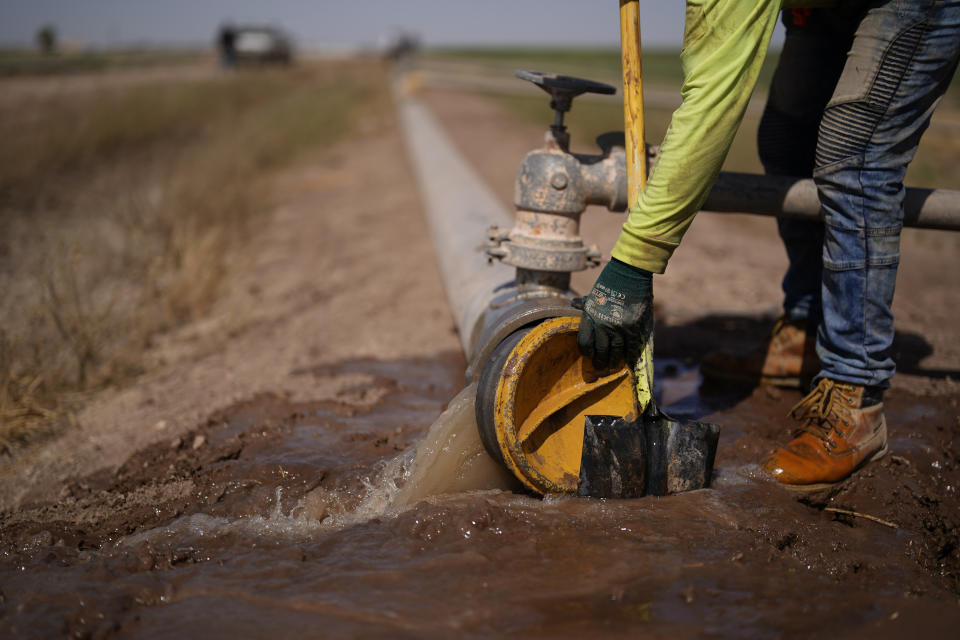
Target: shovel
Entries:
(653, 455)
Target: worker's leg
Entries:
(811, 62)
(901, 62)
(809, 66)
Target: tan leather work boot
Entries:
(836, 437)
(787, 359)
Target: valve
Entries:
(562, 89)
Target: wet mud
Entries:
(275, 518)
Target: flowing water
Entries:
(449, 459)
(332, 520)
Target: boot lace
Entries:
(824, 407)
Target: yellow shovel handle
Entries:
(632, 99)
(636, 164)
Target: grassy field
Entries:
(24, 62)
(119, 207)
(661, 68)
(934, 166)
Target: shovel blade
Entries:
(655, 455)
(613, 462)
(681, 455)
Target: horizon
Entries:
(338, 24)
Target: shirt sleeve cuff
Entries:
(643, 253)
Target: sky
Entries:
(317, 24)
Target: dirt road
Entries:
(208, 500)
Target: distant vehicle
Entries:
(399, 44)
(253, 43)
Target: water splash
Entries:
(449, 459)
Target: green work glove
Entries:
(614, 314)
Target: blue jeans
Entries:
(852, 95)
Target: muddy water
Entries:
(356, 518)
(450, 458)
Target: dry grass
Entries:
(118, 209)
(24, 62)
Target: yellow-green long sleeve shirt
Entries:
(724, 45)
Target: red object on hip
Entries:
(800, 16)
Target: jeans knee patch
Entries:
(895, 62)
(845, 131)
(847, 127)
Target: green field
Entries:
(934, 166)
(661, 68)
(22, 62)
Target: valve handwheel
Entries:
(562, 89)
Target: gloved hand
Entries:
(615, 314)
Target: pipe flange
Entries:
(532, 398)
(545, 259)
